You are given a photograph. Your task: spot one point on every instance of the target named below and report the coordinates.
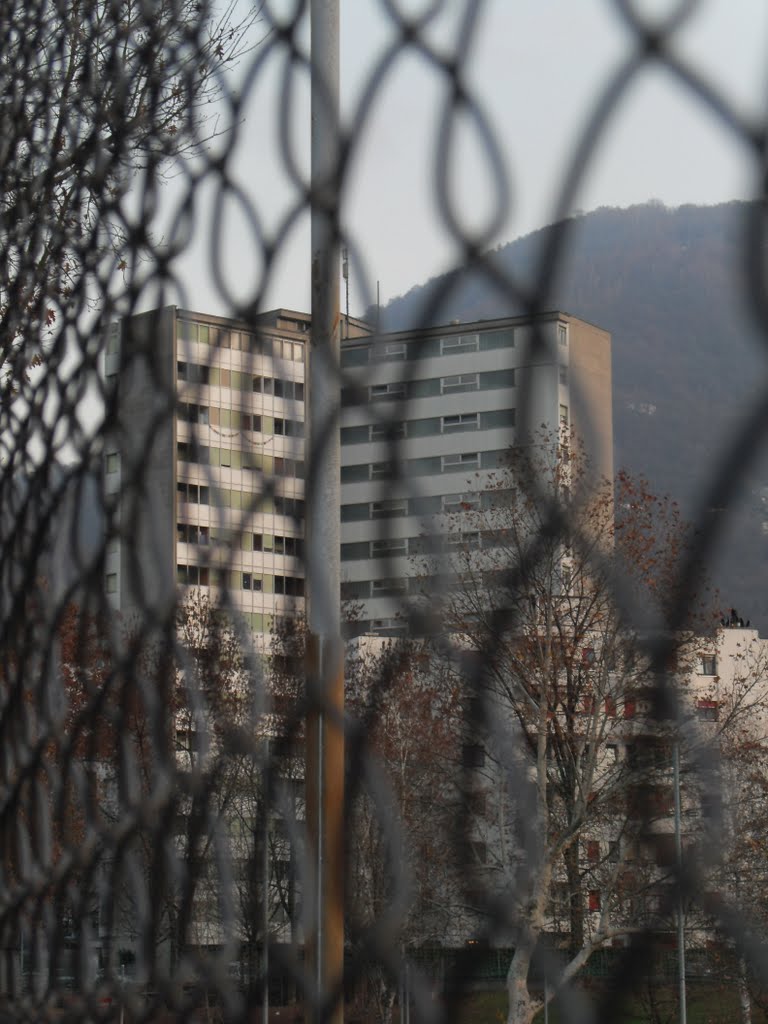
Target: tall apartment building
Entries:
(207, 453)
(428, 422)
(207, 460)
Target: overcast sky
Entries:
(536, 68)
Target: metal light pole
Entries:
(325, 656)
(679, 861)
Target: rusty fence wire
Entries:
(554, 786)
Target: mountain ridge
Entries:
(690, 355)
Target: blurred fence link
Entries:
(151, 799)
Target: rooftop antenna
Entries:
(378, 306)
(345, 275)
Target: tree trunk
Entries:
(522, 1008)
(745, 1001)
(575, 900)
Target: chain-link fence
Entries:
(555, 766)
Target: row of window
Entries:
(242, 341)
(456, 462)
(235, 458)
(192, 533)
(432, 386)
(215, 376)
(235, 579)
(395, 586)
(234, 419)
(394, 547)
(400, 586)
(427, 505)
(454, 424)
(223, 497)
(453, 344)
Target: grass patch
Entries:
(707, 1004)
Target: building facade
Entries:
(428, 421)
(206, 462)
(206, 458)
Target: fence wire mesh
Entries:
(514, 716)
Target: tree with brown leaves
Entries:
(554, 583)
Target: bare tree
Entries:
(92, 95)
(564, 696)
(403, 855)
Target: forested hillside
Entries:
(689, 356)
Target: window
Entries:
(462, 541)
(593, 851)
(467, 502)
(290, 586)
(388, 627)
(393, 587)
(614, 850)
(707, 710)
(290, 546)
(289, 506)
(594, 901)
(707, 665)
(563, 415)
(280, 389)
(389, 351)
(562, 334)
(610, 707)
(463, 421)
(385, 391)
(389, 548)
(186, 574)
(387, 431)
(459, 382)
(246, 581)
(383, 471)
(113, 462)
(459, 343)
(111, 582)
(389, 509)
(463, 461)
(355, 551)
(563, 374)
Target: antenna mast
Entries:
(345, 275)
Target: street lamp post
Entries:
(325, 659)
(679, 863)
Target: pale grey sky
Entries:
(536, 68)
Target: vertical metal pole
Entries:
(345, 275)
(679, 859)
(265, 920)
(325, 666)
